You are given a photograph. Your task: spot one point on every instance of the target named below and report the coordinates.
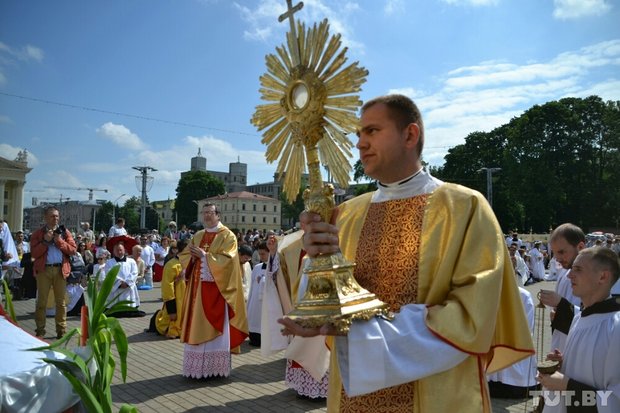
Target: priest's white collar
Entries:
(215, 228)
(421, 182)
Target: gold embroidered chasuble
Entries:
(222, 259)
(445, 250)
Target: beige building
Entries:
(245, 210)
(12, 181)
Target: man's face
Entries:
(565, 253)
(119, 250)
(263, 254)
(20, 237)
(513, 250)
(209, 216)
(584, 277)
(143, 241)
(382, 145)
(244, 258)
(52, 218)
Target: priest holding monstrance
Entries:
(431, 253)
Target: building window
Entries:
(275, 208)
(274, 220)
(254, 207)
(264, 208)
(253, 219)
(264, 220)
(243, 207)
(243, 218)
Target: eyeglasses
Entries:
(210, 212)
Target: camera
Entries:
(60, 230)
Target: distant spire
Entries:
(199, 152)
(238, 159)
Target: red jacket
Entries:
(38, 248)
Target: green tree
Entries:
(558, 164)
(193, 186)
(360, 175)
(103, 217)
(131, 212)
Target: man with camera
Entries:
(51, 247)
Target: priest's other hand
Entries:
(319, 237)
(291, 328)
(555, 381)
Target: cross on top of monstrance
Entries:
(312, 108)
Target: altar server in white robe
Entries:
(255, 298)
(537, 262)
(125, 285)
(589, 375)
(566, 241)
(515, 381)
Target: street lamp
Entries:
(489, 172)
(114, 208)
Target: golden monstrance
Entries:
(312, 108)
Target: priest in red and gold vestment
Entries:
(214, 321)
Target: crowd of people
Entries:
(432, 251)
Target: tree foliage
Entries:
(559, 163)
(193, 186)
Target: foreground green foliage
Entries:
(90, 372)
(9, 301)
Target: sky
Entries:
(93, 88)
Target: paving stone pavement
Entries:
(256, 384)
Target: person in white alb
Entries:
(566, 241)
(117, 229)
(125, 285)
(255, 298)
(589, 375)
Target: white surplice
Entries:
(127, 273)
(255, 298)
(592, 357)
(564, 289)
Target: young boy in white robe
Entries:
(589, 376)
(255, 299)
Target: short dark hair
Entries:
(403, 111)
(208, 204)
(604, 259)
(263, 246)
(48, 209)
(570, 232)
(245, 250)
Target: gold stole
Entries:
(387, 264)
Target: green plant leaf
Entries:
(9, 301)
(122, 346)
(127, 408)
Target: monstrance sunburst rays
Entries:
(313, 107)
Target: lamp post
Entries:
(114, 208)
(489, 172)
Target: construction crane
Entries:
(90, 190)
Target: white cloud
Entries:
(4, 118)
(32, 52)
(10, 152)
(121, 135)
(393, 7)
(574, 9)
(484, 96)
(264, 26)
